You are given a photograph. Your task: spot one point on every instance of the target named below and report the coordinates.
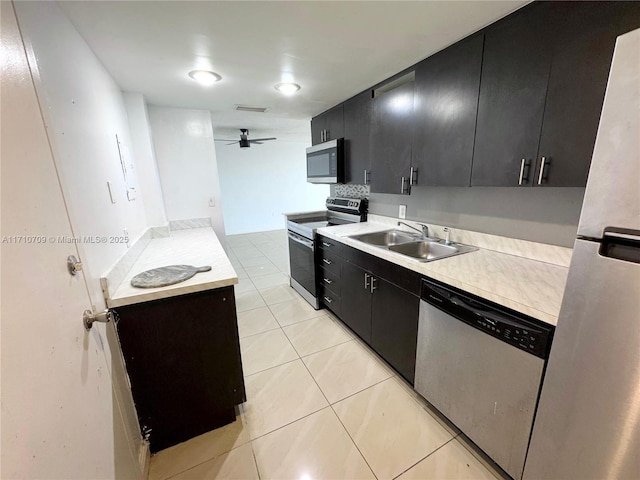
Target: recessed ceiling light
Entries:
(287, 88)
(205, 77)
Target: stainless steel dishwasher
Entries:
(481, 365)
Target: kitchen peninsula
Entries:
(180, 342)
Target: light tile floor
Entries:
(320, 404)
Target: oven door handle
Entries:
(300, 240)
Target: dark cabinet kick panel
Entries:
(446, 107)
(183, 359)
(515, 72)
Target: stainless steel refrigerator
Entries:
(588, 420)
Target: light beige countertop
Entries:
(194, 246)
(528, 286)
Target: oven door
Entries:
(301, 259)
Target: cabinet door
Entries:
(391, 136)
(183, 359)
(394, 326)
(335, 123)
(446, 107)
(357, 118)
(515, 71)
(317, 127)
(356, 301)
(577, 83)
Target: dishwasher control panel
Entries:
(511, 327)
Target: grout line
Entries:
(360, 391)
(255, 460)
(275, 366)
(353, 441)
(424, 458)
(260, 333)
(343, 426)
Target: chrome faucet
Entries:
(447, 237)
(424, 231)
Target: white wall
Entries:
(84, 111)
(147, 168)
(186, 157)
(262, 182)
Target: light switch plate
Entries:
(402, 211)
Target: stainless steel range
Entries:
(301, 229)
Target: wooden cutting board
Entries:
(164, 276)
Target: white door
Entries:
(57, 411)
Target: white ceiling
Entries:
(332, 49)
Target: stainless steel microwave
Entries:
(325, 162)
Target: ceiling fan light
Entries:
(205, 77)
(287, 88)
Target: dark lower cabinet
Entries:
(394, 326)
(377, 309)
(183, 359)
(356, 300)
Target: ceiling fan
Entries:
(244, 140)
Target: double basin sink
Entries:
(423, 249)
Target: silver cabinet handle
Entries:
(366, 281)
(365, 176)
(327, 244)
(327, 281)
(523, 164)
(541, 175)
(413, 176)
(328, 262)
(327, 299)
(373, 284)
(402, 185)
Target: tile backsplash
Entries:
(351, 191)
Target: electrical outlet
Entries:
(402, 211)
(212, 201)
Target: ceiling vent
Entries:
(249, 108)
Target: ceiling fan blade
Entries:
(225, 140)
(256, 143)
(232, 143)
(262, 139)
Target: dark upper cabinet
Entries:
(391, 136)
(446, 106)
(513, 87)
(317, 129)
(357, 118)
(577, 83)
(328, 125)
